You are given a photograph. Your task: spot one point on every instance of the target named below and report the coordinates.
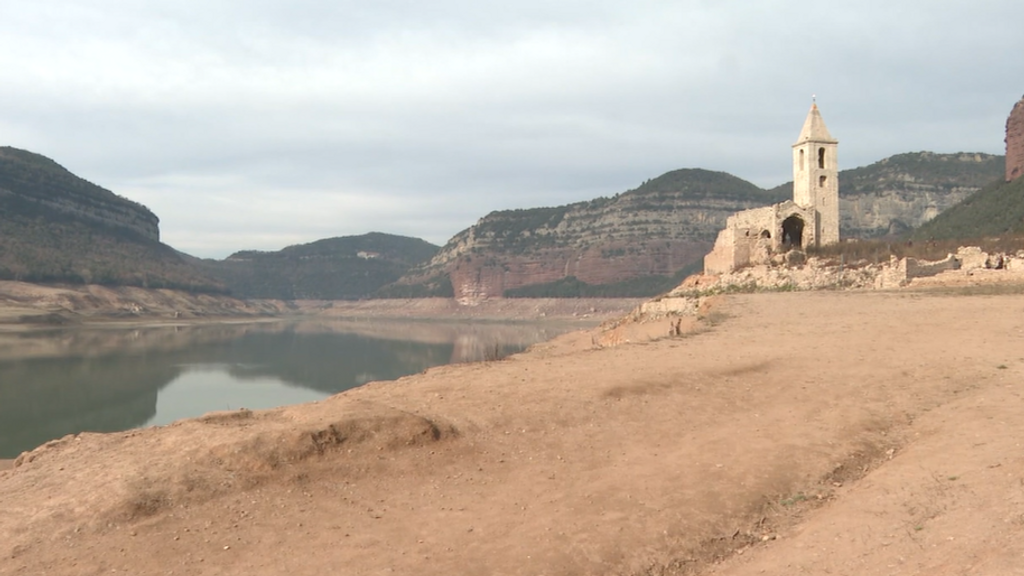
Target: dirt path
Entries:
(842, 433)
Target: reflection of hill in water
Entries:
(325, 362)
(42, 399)
(60, 382)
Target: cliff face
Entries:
(669, 223)
(57, 228)
(1015, 142)
(33, 184)
(903, 192)
(663, 226)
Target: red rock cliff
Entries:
(1015, 142)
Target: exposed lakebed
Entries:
(59, 382)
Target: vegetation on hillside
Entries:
(33, 174)
(995, 210)
(39, 245)
(345, 268)
(37, 180)
(911, 171)
(58, 228)
(643, 209)
(698, 184)
(572, 287)
(875, 251)
(436, 287)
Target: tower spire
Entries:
(814, 129)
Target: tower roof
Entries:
(814, 129)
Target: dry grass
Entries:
(879, 251)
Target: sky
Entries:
(258, 124)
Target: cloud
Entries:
(257, 124)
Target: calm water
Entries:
(105, 380)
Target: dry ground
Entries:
(817, 433)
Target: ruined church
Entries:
(811, 218)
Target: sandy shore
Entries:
(842, 433)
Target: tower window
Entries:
(821, 157)
(802, 160)
(821, 181)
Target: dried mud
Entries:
(840, 433)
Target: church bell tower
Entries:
(816, 176)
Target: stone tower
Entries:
(816, 176)
(1015, 142)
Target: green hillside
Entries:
(699, 184)
(995, 210)
(345, 268)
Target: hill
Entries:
(636, 241)
(995, 210)
(345, 268)
(904, 191)
(643, 241)
(57, 227)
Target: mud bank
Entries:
(850, 433)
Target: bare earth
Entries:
(790, 433)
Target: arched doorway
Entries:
(793, 232)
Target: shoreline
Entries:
(516, 466)
(584, 311)
(28, 307)
(651, 452)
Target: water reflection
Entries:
(66, 381)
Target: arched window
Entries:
(802, 160)
(821, 157)
(821, 181)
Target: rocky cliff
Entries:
(31, 183)
(1015, 142)
(58, 228)
(902, 192)
(661, 227)
(634, 242)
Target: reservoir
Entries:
(109, 379)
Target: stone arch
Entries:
(793, 231)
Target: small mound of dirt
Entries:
(249, 457)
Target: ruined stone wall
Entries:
(739, 243)
(1015, 142)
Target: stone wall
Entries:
(1015, 142)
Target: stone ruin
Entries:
(811, 218)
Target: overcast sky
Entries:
(264, 123)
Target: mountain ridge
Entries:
(667, 224)
(339, 268)
(59, 228)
